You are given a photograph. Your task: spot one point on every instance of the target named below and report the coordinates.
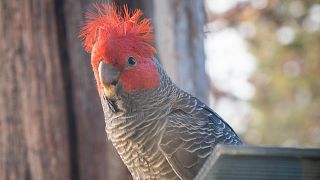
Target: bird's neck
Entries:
(139, 113)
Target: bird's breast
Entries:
(136, 141)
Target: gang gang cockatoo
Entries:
(159, 130)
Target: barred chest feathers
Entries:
(136, 135)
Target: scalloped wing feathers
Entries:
(192, 132)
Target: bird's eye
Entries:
(131, 61)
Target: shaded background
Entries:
(256, 62)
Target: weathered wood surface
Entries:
(253, 162)
(179, 40)
(34, 140)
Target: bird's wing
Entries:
(192, 132)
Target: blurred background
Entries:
(255, 62)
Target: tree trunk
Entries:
(33, 112)
(97, 158)
(145, 5)
(51, 120)
(179, 39)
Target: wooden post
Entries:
(34, 140)
(179, 38)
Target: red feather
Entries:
(111, 34)
(108, 22)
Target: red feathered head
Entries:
(112, 35)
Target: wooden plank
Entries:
(251, 162)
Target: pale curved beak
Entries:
(108, 74)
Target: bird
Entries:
(159, 130)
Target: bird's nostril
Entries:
(108, 74)
(114, 82)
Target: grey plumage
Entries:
(164, 133)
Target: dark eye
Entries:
(131, 61)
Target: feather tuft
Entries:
(109, 22)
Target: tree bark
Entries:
(33, 117)
(51, 120)
(145, 5)
(179, 40)
(97, 158)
